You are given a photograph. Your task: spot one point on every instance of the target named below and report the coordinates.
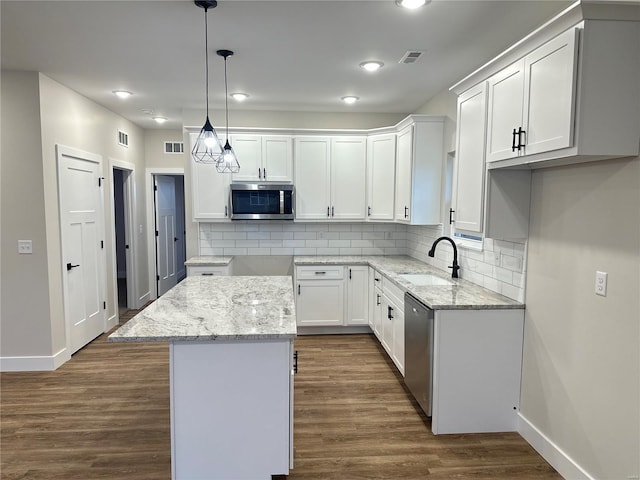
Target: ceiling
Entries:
(289, 55)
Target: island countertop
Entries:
(214, 308)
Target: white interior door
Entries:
(82, 227)
(166, 232)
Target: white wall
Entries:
(155, 157)
(37, 114)
(25, 322)
(581, 370)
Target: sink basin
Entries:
(425, 279)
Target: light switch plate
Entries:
(601, 283)
(25, 246)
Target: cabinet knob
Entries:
(406, 212)
(451, 212)
(368, 211)
(513, 140)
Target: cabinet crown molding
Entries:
(572, 16)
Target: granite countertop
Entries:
(460, 295)
(216, 308)
(206, 260)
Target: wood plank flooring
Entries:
(105, 415)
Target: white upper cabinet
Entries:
(403, 185)
(381, 171)
(330, 175)
(266, 158)
(566, 92)
(312, 178)
(348, 177)
(470, 165)
(531, 103)
(419, 170)
(210, 190)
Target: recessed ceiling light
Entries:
(122, 93)
(160, 119)
(371, 65)
(350, 99)
(412, 4)
(239, 96)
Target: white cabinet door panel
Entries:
(506, 94)
(248, 150)
(550, 86)
(320, 302)
(470, 166)
(381, 173)
(312, 174)
(357, 295)
(277, 159)
(210, 190)
(348, 178)
(404, 157)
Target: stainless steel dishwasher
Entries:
(418, 344)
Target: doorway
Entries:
(170, 233)
(122, 229)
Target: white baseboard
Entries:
(34, 363)
(112, 321)
(144, 299)
(552, 453)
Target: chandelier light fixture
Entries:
(208, 148)
(229, 161)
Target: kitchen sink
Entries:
(425, 279)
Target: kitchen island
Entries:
(231, 373)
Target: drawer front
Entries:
(207, 270)
(319, 272)
(393, 292)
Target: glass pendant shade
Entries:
(228, 162)
(208, 147)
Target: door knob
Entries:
(69, 266)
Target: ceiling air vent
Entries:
(173, 147)
(123, 138)
(411, 57)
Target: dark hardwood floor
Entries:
(105, 415)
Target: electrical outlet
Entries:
(25, 247)
(601, 283)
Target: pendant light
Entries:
(208, 148)
(229, 161)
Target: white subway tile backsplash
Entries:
(305, 235)
(505, 276)
(258, 235)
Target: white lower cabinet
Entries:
(357, 295)
(386, 306)
(207, 270)
(332, 295)
(477, 362)
(320, 303)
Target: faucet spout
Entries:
(455, 267)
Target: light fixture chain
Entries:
(226, 96)
(206, 57)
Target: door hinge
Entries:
(157, 278)
(155, 188)
(157, 233)
(104, 305)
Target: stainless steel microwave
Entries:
(261, 201)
